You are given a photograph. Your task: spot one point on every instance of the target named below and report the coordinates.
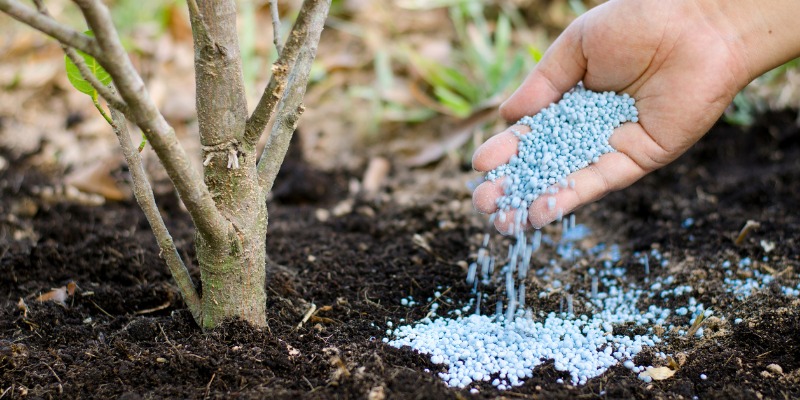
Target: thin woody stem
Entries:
(49, 26)
(311, 19)
(276, 25)
(291, 107)
(144, 196)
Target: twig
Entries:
(291, 107)
(308, 315)
(309, 383)
(49, 26)
(144, 196)
(748, 226)
(60, 387)
(190, 186)
(101, 309)
(174, 348)
(54, 373)
(154, 309)
(276, 25)
(208, 386)
(308, 25)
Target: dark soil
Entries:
(125, 334)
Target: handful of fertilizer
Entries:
(565, 137)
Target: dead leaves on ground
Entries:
(658, 373)
(311, 316)
(59, 295)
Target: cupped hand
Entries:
(681, 69)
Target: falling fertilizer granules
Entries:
(505, 347)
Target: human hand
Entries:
(678, 59)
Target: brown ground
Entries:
(125, 334)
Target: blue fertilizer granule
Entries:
(565, 137)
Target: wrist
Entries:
(761, 34)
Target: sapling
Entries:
(227, 203)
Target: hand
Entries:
(674, 57)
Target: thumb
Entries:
(561, 68)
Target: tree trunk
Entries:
(233, 273)
(233, 270)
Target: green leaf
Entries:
(383, 70)
(438, 75)
(535, 53)
(577, 7)
(77, 80)
(455, 103)
(502, 36)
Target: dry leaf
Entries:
(97, 179)
(327, 321)
(71, 287)
(658, 373)
(421, 242)
(59, 295)
(22, 307)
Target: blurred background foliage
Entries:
(415, 81)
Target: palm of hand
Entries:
(680, 71)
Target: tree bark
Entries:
(232, 272)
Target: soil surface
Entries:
(124, 333)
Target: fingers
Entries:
(498, 149)
(637, 155)
(561, 68)
(485, 196)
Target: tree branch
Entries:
(276, 25)
(144, 196)
(49, 26)
(190, 186)
(290, 108)
(309, 24)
